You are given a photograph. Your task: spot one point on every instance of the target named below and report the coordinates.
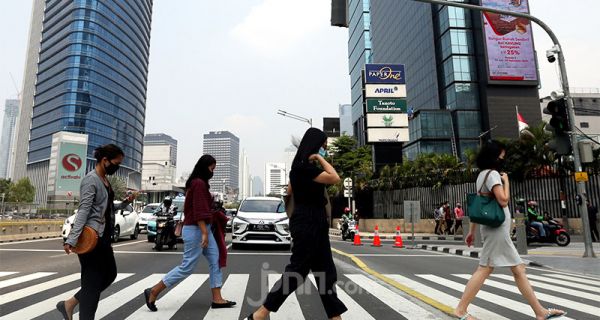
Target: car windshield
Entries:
(272, 206)
(149, 209)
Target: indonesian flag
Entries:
(522, 124)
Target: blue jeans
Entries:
(540, 226)
(192, 238)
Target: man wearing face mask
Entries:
(96, 210)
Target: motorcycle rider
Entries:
(346, 216)
(167, 209)
(535, 219)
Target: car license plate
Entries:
(261, 227)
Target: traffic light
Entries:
(559, 126)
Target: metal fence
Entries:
(544, 190)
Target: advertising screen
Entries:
(385, 73)
(509, 43)
(71, 163)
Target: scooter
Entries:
(165, 231)
(348, 228)
(555, 233)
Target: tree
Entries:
(119, 187)
(349, 160)
(22, 191)
(5, 185)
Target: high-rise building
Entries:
(224, 146)
(257, 186)
(275, 178)
(245, 177)
(346, 119)
(86, 72)
(453, 80)
(7, 145)
(159, 165)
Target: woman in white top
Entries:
(498, 249)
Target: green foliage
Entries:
(22, 191)
(5, 185)
(232, 205)
(350, 161)
(119, 186)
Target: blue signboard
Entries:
(385, 73)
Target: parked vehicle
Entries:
(261, 220)
(230, 213)
(147, 214)
(126, 224)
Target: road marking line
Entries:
(128, 243)
(555, 288)
(22, 293)
(57, 239)
(162, 252)
(29, 277)
(398, 255)
(48, 305)
(234, 289)
(432, 302)
(7, 273)
(541, 296)
(118, 299)
(575, 279)
(355, 311)
(489, 297)
(290, 310)
(474, 310)
(405, 307)
(173, 300)
(564, 283)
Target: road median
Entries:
(352, 259)
(29, 229)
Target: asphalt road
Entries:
(34, 275)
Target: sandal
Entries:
(466, 316)
(60, 306)
(550, 315)
(150, 305)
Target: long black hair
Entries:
(312, 140)
(488, 155)
(201, 170)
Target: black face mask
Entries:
(210, 174)
(111, 169)
(500, 164)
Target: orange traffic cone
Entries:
(376, 240)
(357, 238)
(398, 243)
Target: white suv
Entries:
(126, 224)
(261, 220)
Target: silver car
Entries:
(261, 220)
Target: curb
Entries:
(338, 233)
(473, 254)
(347, 257)
(29, 238)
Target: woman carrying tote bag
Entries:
(96, 211)
(498, 249)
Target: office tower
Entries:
(7, 145)
(346, 119)
(86, 72)
(275, 178)
(224, 146)
(159, 164)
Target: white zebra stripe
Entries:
(6, 273)
(40, 308)
(22, 293)
(355, 311)
(29, 277)
(172, 300)
(574, 279)
(405, 307)
(234, 289)
(290, 310)
(542, 296)
(565, 283)
(576, 293)
(490, 297)
(474, 310)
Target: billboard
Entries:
(385, 91)
(385, 73)
(386, 105)
(387, 120)
(71, 164)
(387, 135)
(509, 42)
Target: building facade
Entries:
(587, 111)
(245, 177)
(258, 188)
(448, 84)
(224, 146)
(275, 178)
(86, 72)
(7, 141)
(346, 119)
(159, 164)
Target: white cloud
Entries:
(275, 26)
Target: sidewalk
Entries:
(569, 258)
(405, 236)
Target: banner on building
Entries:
(387, 135)
(385, 91)
(387, 120)
(385, 73)
(386, 106)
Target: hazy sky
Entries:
(229, 65)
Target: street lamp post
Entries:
(557, 50)
(295, 117)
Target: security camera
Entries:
(550, 56)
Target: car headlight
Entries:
(239, 225)
(162, 224)
(66, 221)
(283, 226)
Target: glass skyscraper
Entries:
(90, 77)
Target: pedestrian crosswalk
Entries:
(34, 295)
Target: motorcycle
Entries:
(165, 231)
(348, 228)
(555, 233)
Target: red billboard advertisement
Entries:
(509, 43)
